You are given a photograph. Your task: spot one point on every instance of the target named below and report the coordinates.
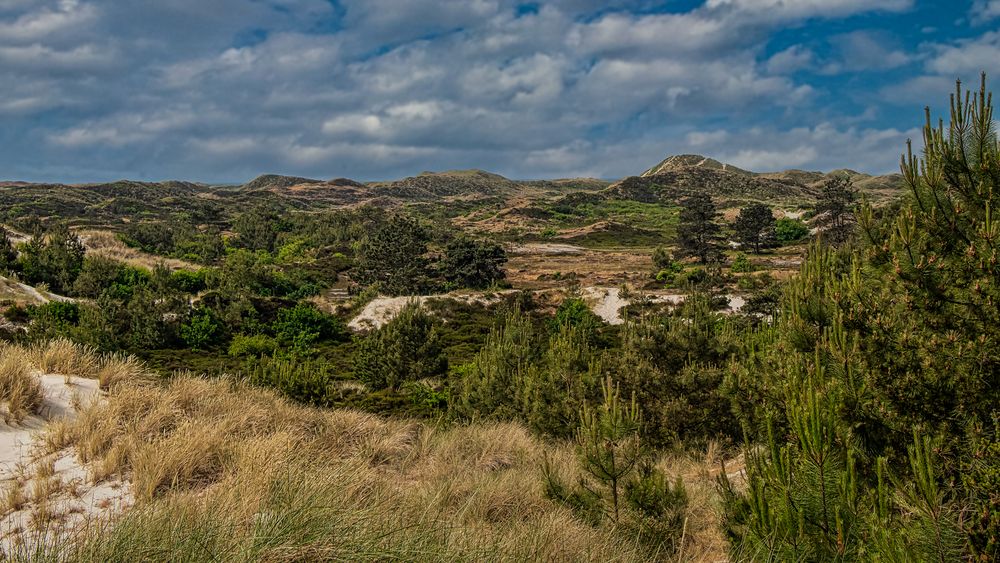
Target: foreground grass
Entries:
(222, 471)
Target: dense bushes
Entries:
(876, 393)
(55, 259)
(405, 349)
(788, 230)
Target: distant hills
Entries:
(456, 191)
(681, 175)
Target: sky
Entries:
(223, 90)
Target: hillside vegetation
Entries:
(699, 363)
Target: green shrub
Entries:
(303, 325)
(788, 230)
(188, 281)
(575, 312)
(104, 275)
(255, 345)
(201, 330)
(405, 349)
(741, 264)
(304, 381)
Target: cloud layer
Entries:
(224, 90)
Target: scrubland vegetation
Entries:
(846, 413)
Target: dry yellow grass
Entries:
(65, 357)
(13, 497)
(106, 244)
(197, 442)
(21, 393)
(241, 473)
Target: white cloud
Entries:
(790, 60)
(382, 88)
(985, 10)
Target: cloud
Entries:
(225, 90)
(790, 60)
(865, 50)
(985, 10)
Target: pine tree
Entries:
(835, 209)
(408, 348)
(698, 230)
(394, 256)
(755, 227)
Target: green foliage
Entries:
(620, 484)
(104, 275)
(8, 254)
(304, 381)
(55, 259)
(491, 385)
(473, 264)
(188, 281)
(698, 233)
(662, 259)
(790, 231)
(258, 229)
(574, 311)
(755, 227)
(674, 367)
(201, 330)
(835, 210)
(665, 267)
(52, 319)
(405, 349)
(741, 264)
(252, 345)
(394, 256)
(301, 326)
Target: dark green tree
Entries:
(258, 228)
(8, 254)
(835, 209)
(55, 259)
(394, 255)
(698, 230)
(755, 227)
(472, 263)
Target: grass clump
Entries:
(21, 393)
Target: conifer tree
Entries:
(835, 209)
(755, 227)
(406, 349)
(698, 230)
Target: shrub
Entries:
(188, 281)
(575, 312)
(472, 263)
(104, 275)
(741, 264)
(55, 312)
(201, 330)
(405, 349)
(302, 325)
(307, 382)
(789, 230)
(255, 345)
(620, 484)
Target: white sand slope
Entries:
(56, 493)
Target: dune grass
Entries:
(21, 393)
(221, 471)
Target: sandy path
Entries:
(57, 492)
(605, 302)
